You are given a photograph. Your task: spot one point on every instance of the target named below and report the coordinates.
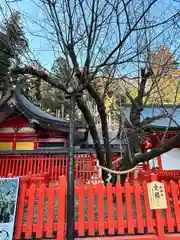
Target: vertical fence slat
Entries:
(30, 211)
(49, 166)
(13, 166)
(40, 216)
(64, 163)
(139, 216)
(28, 164)
(149, 220)
(50, 214)
(120, 220)
(8, 167)
(169, 218)
(45, 165)
(174, 191)
(57, 166)
(24, 165)
(19, 173)
(20, 210)
(100, 193)
(81, 210)
(61, 208)
(16, 167)
(91, 209)
(37, 170)
(159, 222)
(110, 209)
(52, 166)
(41, 163)
(127, 188)
(63, 159)
(31, 163)
(1, 166)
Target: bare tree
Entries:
(100, 35)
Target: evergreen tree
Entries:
(12, 45)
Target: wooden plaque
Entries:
(157, 196)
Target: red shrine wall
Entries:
(16, 134)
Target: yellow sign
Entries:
(157, 196)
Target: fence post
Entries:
(62, 208)
(20, 209)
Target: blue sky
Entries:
(42, 48)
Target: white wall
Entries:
(171, 160)
(153, 163)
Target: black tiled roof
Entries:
(16, 99)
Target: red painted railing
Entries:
(21, 165)
(55, 165)
(41, 212)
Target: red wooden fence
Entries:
(41, 212)
(55, 165)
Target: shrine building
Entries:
(24, 126)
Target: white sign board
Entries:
(156, 194)
(8, 201)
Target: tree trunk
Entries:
(105, 135)
(93, 131)
(104, 125)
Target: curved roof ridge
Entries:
(34, 109)
(32, 112)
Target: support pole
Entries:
(70, 182)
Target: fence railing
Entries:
(99, 211)
(85, 168)
(55, 165)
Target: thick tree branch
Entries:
(155, 152)
(92, 127)
(104, 124)
(102, 113)
(149, 120)
(52, 80)
(137, 104)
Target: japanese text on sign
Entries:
(156, 194)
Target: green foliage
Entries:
(12, 44)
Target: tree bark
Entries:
(93, 131)
(102, 113)
(104, 125)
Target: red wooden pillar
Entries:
(36, 142)
(14, 142)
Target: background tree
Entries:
(12, 45)
(94, 36)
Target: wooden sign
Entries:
(157, 196)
